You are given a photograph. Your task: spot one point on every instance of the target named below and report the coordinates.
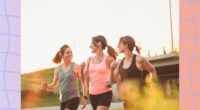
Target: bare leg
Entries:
(102, 108)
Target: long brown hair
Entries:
(110, 50)
(130, 42)
(58, 57)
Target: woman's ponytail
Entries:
(137, 49)
(58, 58)
(111, 51)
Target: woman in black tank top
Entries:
(131, 67)
(132, 72)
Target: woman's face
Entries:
(93, 47)
(68, 55)
(122, 48)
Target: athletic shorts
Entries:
(71, 104)
(103, 99)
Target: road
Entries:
(117, 105)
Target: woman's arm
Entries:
(86, 67)
(146, 65)
(114, 70)
(55, 81)
(84, 75)
(82, 78)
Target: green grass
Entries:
(31, 82)
(30, 87)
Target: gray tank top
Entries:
(68, 84)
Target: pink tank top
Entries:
(99, 75)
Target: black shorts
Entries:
(103, 99)
(71, 104)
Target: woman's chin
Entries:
(69, 60)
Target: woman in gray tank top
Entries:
(66, 76)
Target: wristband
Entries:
(85, 97)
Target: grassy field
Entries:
(32, 81)
(31, 89)
(33, 95)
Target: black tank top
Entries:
(132, 72)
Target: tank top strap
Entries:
(72, 66)
(91, 61)
(122, 72)
(70, 70)
(121, 63)
(60, 68)
(104, 60)
(134, 60)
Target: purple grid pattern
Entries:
(10, 85)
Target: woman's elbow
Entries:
(113, 80)
(153, 70)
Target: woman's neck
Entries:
(67, 63)
(128, 55)
(99, 54)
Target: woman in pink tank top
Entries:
(98, 70)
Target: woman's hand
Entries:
(114, 64)
(83, 103)
(44, 85)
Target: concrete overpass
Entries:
(167, 67)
